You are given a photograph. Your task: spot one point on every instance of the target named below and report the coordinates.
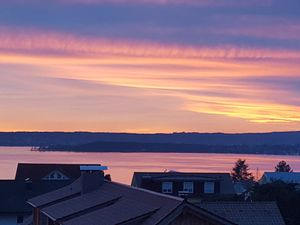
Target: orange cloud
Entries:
(204, 79)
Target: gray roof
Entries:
(246, 213)
(69, 207)
(292, 177)
(111, 203)
(56, 195)
(226, 185)
(188, 209)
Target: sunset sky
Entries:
(150, 65)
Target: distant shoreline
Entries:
(276, 143)
(240, 153)
(120, 151)
(126, 147)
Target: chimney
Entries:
(92, 177)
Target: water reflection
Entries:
(122, 165)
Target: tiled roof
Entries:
(206, 216)
(224, 178)
(110, 204)
(246, 213)
(123, 210)
(40, 170)
(127, 201)
(77, 204)
(69, 191)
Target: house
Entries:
(44, 171)
(13, 196)
(246, 213)
(192, 185)
(31, 180)
(287, 177)
(92, 200)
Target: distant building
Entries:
(287, 177)
(91, 200)
(192, 185)
(246, 213)
(13, 196)
(44, 171)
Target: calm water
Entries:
(122, 165)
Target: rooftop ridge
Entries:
(47, 163)
(84, 211)
(143, 216)
(172, 172)
(146, 191)
(237, 202)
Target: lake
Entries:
(122, 165)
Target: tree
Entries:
(282, 166)
(240, 171)
(286, 196)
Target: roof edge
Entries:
(148, 191)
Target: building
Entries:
(92, 200)
(32, 180)
(246, 213)
(42, 171)
(287, 177)
(13, 196)
(192, 185)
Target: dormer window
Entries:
(209, 187)
(56, 175)
(167, 187)
(188, 187)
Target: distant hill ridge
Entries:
(81, 138)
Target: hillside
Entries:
(275, 143)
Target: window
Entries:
(55, 175)
(188, 187)
(167, 187)
(209, 187)
(20, 219)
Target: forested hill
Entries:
(80, 138)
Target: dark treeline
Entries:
(169, 147)
(77, 138)
(254, 143)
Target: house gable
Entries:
(56, 175)
(189, 214)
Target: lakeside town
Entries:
(79, 194)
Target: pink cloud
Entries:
(37, 42)
(202, 3)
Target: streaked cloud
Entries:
(203, 3)
(210, 71)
